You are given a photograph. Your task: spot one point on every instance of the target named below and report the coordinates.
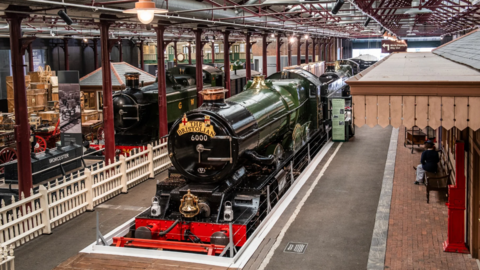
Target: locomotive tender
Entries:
(234, 158)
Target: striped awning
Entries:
(421, 111)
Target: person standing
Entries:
(428, 162)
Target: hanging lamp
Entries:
(145, 10)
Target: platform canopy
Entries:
(118, 70)
(420, 89)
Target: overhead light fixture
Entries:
(65, 17)
(337, 6)
(273, 35)
(306, 36)
(145, 10)
(367, 22)
(292, 39)
(85, 40)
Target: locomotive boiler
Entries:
(136, 116)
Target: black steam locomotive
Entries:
(234, 158)
(136, 110)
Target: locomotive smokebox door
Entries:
(126, 103)
(200, 144)
(206, 138)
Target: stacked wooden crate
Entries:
(37, 96)
(10, 95)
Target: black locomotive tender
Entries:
(233, 159)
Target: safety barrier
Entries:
(66, 198)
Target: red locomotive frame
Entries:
(201, 230)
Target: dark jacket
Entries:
(430, 160)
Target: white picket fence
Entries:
(61, 201)
(7, 258)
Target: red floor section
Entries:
(417, 229)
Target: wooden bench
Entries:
(439, 180)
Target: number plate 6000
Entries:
(199, 138)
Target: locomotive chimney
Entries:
(214, 96)
(132, 80)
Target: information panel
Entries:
(338, 119)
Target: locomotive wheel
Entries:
(100, 134)
(6, 155)
(41, 144)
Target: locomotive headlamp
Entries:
(145, 10)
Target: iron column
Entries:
(289, 52)
(279, 44)
(320, 57)
(332, 51)
(95, 53)
(226, 59)
(213, 53)
(248, 64)
(107, 93)
(31, 68)
(162, 83)
(199, 65)
(306, 50)
(340, 46)
(264, 54)
(189, 53)
(22, 126)
(313, 49)
(65, 51)
(142, 66)
(120, 50)
(299, 57)
(324, 51)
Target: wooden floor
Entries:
(101, 261)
